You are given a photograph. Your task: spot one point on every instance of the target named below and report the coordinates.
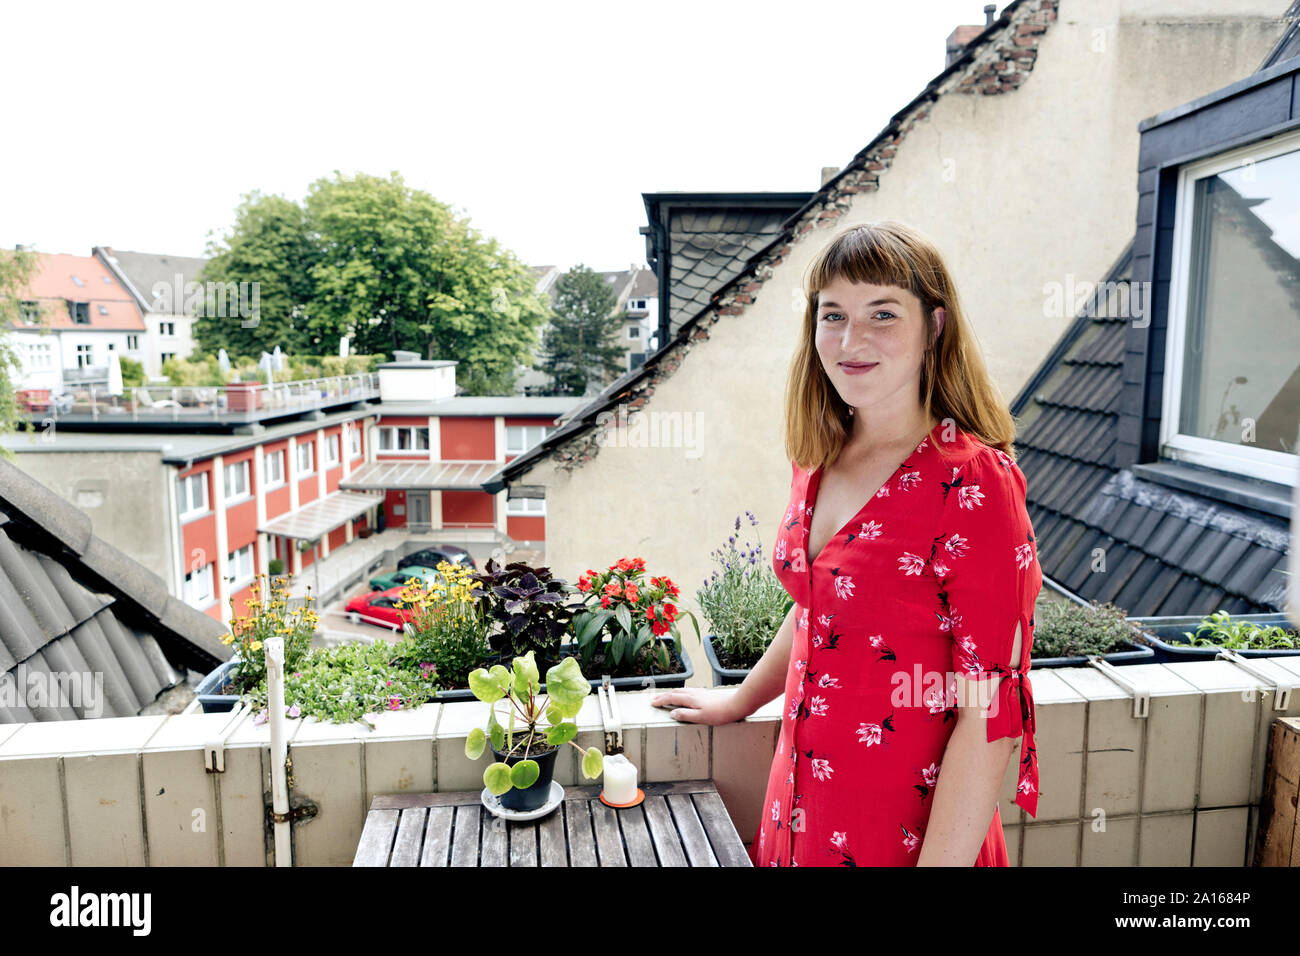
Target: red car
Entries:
(377, 607)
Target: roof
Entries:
(511, 406)
(142, 271)
(421, 475)
(993, 62)
(56, 283)
(72, 604)
(318, 517)
(1167, 551)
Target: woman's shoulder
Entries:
(965, 454)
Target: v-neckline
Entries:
(813, 490)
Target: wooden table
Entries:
(678, 824)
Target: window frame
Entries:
(332, 451)
(311, 451)
(546, 432)
(1265, 464)
(182, 493)
(267, 481)
(248, 481)
(232, 561)
(395, 439)
(512, 511)
(187, 588)
(354, 443)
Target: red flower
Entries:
(670, 612)
(659, 627)
(638, 564)
(604, 602)
(623, 565)
(650, 613)
(613, 588)
(584, 584)
(631, 592)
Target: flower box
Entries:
(722, 676)
(1140, 654)
(212, 690)
(1160, 632)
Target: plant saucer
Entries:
(493, 804)
(640, 795)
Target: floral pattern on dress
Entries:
(927, 580)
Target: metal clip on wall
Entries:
(1141, 696)
(611, 716)
(214, 751)
(1281, 691)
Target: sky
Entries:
(141, 125)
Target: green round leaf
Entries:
(553, 714)
(561, 733)
(525, 773)
(593, 763)
(566, 687)
(526, 679)
(485, 686)
(475, 743)
(497, 779)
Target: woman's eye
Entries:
(831, 315)
(887, 315)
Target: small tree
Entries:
(17, 270)
(582, 342)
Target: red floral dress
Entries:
(927, 580)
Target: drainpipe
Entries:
(279, 749)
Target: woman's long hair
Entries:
(955, 383)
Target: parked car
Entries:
(429, 557)
(379, 608)
(397, 578)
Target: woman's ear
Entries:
(939, 315)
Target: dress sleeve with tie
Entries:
(986, 563)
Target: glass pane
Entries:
(1241, 363)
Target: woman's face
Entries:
(871, 340)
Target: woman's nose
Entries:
(855, 331)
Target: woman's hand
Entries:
(699, 706)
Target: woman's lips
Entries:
(857, 368)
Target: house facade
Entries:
(160, 284)
(703, 416)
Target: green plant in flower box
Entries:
(547, 718)
(634, 613)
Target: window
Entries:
(166, 328)
(1232, 383)
(331, 450)
(305, 459)
(633, 332)
(133, 343)
(520, 438)
(273, 468)
(85, 356)
(240, 566)
(76, 280)
(354, 442)
(192, 495)
(30, 312)
(396, 438)
(166, 357)
(236, 481)
(636, 305)
(535, 507)
(40, 355)
(198, 587)
(107, 280)
(80, 312)
(103, 310)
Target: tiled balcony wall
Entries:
(1178, 787)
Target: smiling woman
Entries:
(909, 554)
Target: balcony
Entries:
(88, 401)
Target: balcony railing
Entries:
(239, 402)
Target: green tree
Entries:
(582, 342)
(17, 270)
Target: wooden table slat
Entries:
(640, 848)
(663, 831)
(694, 840)
(582, 843)
(609, 842)
(523, 843)
(437, 836)
(550, 839)
(464, 847)
(494, 851)
(723, 838)
(410, 834)
(680, 823)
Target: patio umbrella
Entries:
(223, 361)
(278, 358)
(114, 373)
(266, 364)
(343, 346)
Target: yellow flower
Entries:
(255, 646)
(228, 639)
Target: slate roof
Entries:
(70, 603)
(141, 271)
(1167, 551)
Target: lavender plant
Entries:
(743, 600)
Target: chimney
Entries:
(829, 173)
(956, 43)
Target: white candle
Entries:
(620, 779)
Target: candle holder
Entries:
(620, 782)
(640, 795)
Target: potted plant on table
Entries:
(745, 604)
(527, 744)
(622, 631)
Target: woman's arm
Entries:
(764, 682)
(969, 778)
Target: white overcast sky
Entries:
(140, 125)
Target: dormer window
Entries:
(1232, 383)
(80, 312)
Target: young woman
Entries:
(911, 559)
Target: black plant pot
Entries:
(722, 676)
(534, 797)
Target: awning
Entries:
(314, 519)
(421, 475)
